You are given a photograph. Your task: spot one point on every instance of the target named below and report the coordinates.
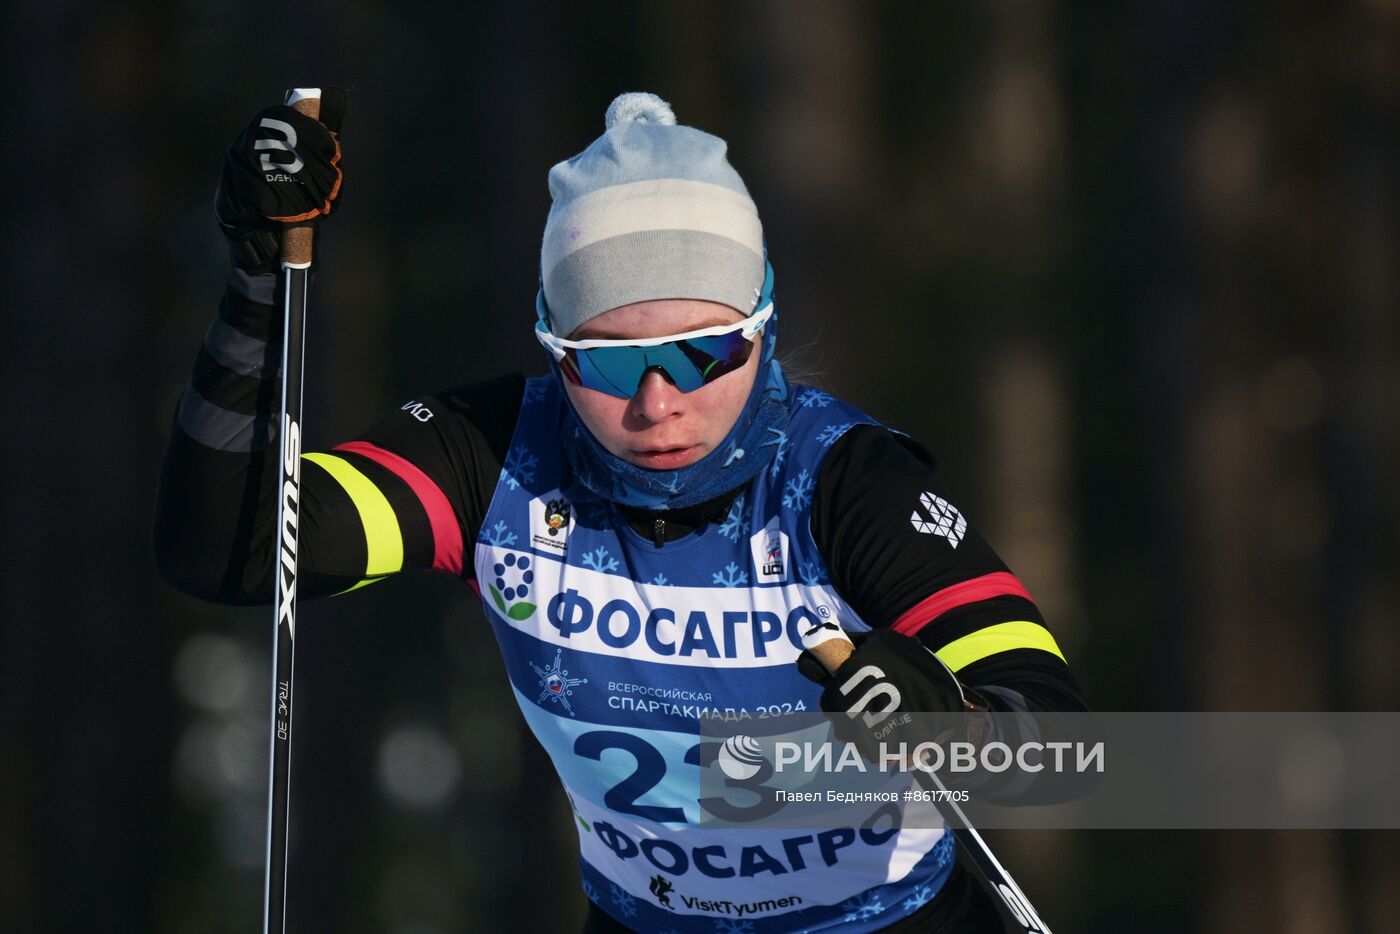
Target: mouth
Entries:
(666, 458)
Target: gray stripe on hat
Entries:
(220, 429)
(647, 265)
(244, 355)
(654, 204)
(261, 289)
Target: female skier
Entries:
(651, 526)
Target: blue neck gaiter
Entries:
(745, 451)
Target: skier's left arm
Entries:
(949, 619)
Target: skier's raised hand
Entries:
(282, 168)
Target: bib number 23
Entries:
(650, 771)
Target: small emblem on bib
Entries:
(770, 553)
(551, 518)
(555, 684)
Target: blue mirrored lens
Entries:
(688, 364)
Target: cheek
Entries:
(726, 397)
(601, 413)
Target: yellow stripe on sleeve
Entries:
(383, 539)
(1003, 637)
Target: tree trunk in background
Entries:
(1016, 145)
(1261, 514)
(1364, 432)
(83, 671)
(811, 130)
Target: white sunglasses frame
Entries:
(749, 327)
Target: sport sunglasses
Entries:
(688, 360)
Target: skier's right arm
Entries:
(407, 494)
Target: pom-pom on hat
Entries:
(650, 210)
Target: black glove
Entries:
(283, 168)
(888, 676)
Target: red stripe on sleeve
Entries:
(447, 534)
(1000, 584)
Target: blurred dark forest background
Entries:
(1128, 268)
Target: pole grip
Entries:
(297, 238)
(830, 644)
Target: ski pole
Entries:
(296, 266)
(832, 646)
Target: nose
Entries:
(657, 397)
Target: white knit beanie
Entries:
(650, 210)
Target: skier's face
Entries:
(661, 427)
